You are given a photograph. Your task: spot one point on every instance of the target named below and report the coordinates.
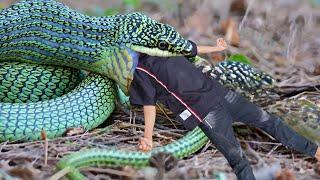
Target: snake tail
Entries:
(192, 142)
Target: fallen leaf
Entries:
(74, 131)
(129, 171)
(217, 57)
(239, 7)
(240, 58)
(286, 174)
(199, 21)
(43, 135)
(229, 28)
(317, 70)
(25, 172)
(317, 168)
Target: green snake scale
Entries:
(49, 33)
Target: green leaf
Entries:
(111, 11)
(1, 5)
(132, 3)
(240, 58)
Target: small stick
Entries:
(260, 142)
(246, 14)
(206, 147)
(255, 154)
(134, 129)
(44, 137)
(171, 121)
(110, 171)
(60, 174)
(272, 150)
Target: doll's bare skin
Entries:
(145, 143)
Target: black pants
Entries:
(218, 127)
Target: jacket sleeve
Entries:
(142, 90)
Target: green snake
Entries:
(45, 33)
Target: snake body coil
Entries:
(88, 105)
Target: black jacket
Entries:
(177, 84)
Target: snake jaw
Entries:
(153, 51)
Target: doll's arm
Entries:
(145, 143)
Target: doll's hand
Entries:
(221, 46)
(145, 144)
(221, 43)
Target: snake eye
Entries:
(163, 45)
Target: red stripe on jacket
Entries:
(172, 93)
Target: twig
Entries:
(123, 139)
(44, 137)
(255, 155)
(63, 138)
(141, 119)
(206, 146)
(60, 174)
(273, 149)
(3, 145)
(246, 14)
(170, 133)
(111, 171)
(167, 116)
(258, 142)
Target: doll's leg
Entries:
(244, 111)
(217, 126)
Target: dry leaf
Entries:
(43, 135)
(197, 24)
(217, 57)
(26, 172)
(20, 172)
(74, 131)
(239, 7)
(286, 174)
(317, 168)
(317, 70)
(131, 172)
(229, 28)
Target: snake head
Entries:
(145, 35)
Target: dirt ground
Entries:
(280, 36)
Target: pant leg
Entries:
(244, 111)
(218, 127)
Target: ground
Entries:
(281, 37)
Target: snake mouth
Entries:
(153, 51)
(191, 51)
(194, 50)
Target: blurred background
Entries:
(280, 37)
